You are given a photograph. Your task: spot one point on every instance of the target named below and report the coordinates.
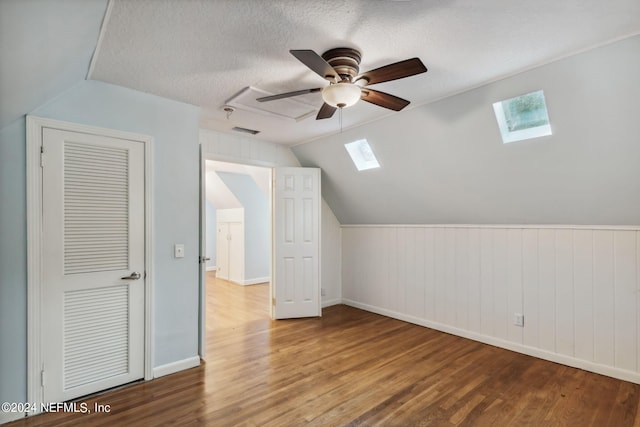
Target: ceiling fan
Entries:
(340, 67)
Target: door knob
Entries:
(134, 276)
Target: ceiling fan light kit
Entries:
(341, 95)
(340, 67)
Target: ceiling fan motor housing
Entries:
(345, 60)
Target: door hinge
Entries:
(273, 301)
(41, 156)
(42, 378)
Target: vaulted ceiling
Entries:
(203, 52)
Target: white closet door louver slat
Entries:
(96, 346)
(96, 208)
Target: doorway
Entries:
(236, 238)
(294, 226)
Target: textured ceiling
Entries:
(203, 52)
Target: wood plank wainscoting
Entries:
(353, 367)
(578, 287)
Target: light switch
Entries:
(179, 250)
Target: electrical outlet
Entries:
(518, 319)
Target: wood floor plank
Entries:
(352, 367)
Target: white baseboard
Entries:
(212, 268)
(586, 365)
(173, 367)
(7, 417)
(330, 302)
(256, 281)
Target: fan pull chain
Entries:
(340, 117)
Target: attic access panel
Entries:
(288, 109)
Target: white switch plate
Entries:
(178, 251)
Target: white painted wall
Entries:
(331, 257)
(578, 288)
(239, 149)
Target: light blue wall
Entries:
(13, 263)
(46, 48)
(256, 223)
(445, 162)
(174, 127)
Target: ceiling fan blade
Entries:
(384, 99)
(398, 70)
(326, 111)
(316, 64)
(288, 94)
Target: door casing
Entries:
(35, 277)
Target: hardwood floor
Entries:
(351, 367)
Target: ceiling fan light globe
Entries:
(341, 95)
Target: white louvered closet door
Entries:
(93, 240)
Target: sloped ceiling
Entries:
(45, 48)
(203, 52)
(219, 194)
(445, 163)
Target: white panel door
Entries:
(236, 252)
(230, 251)
(296, 271)
(93, 258)
(222, 250)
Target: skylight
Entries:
(362, 155)
(523, 117)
